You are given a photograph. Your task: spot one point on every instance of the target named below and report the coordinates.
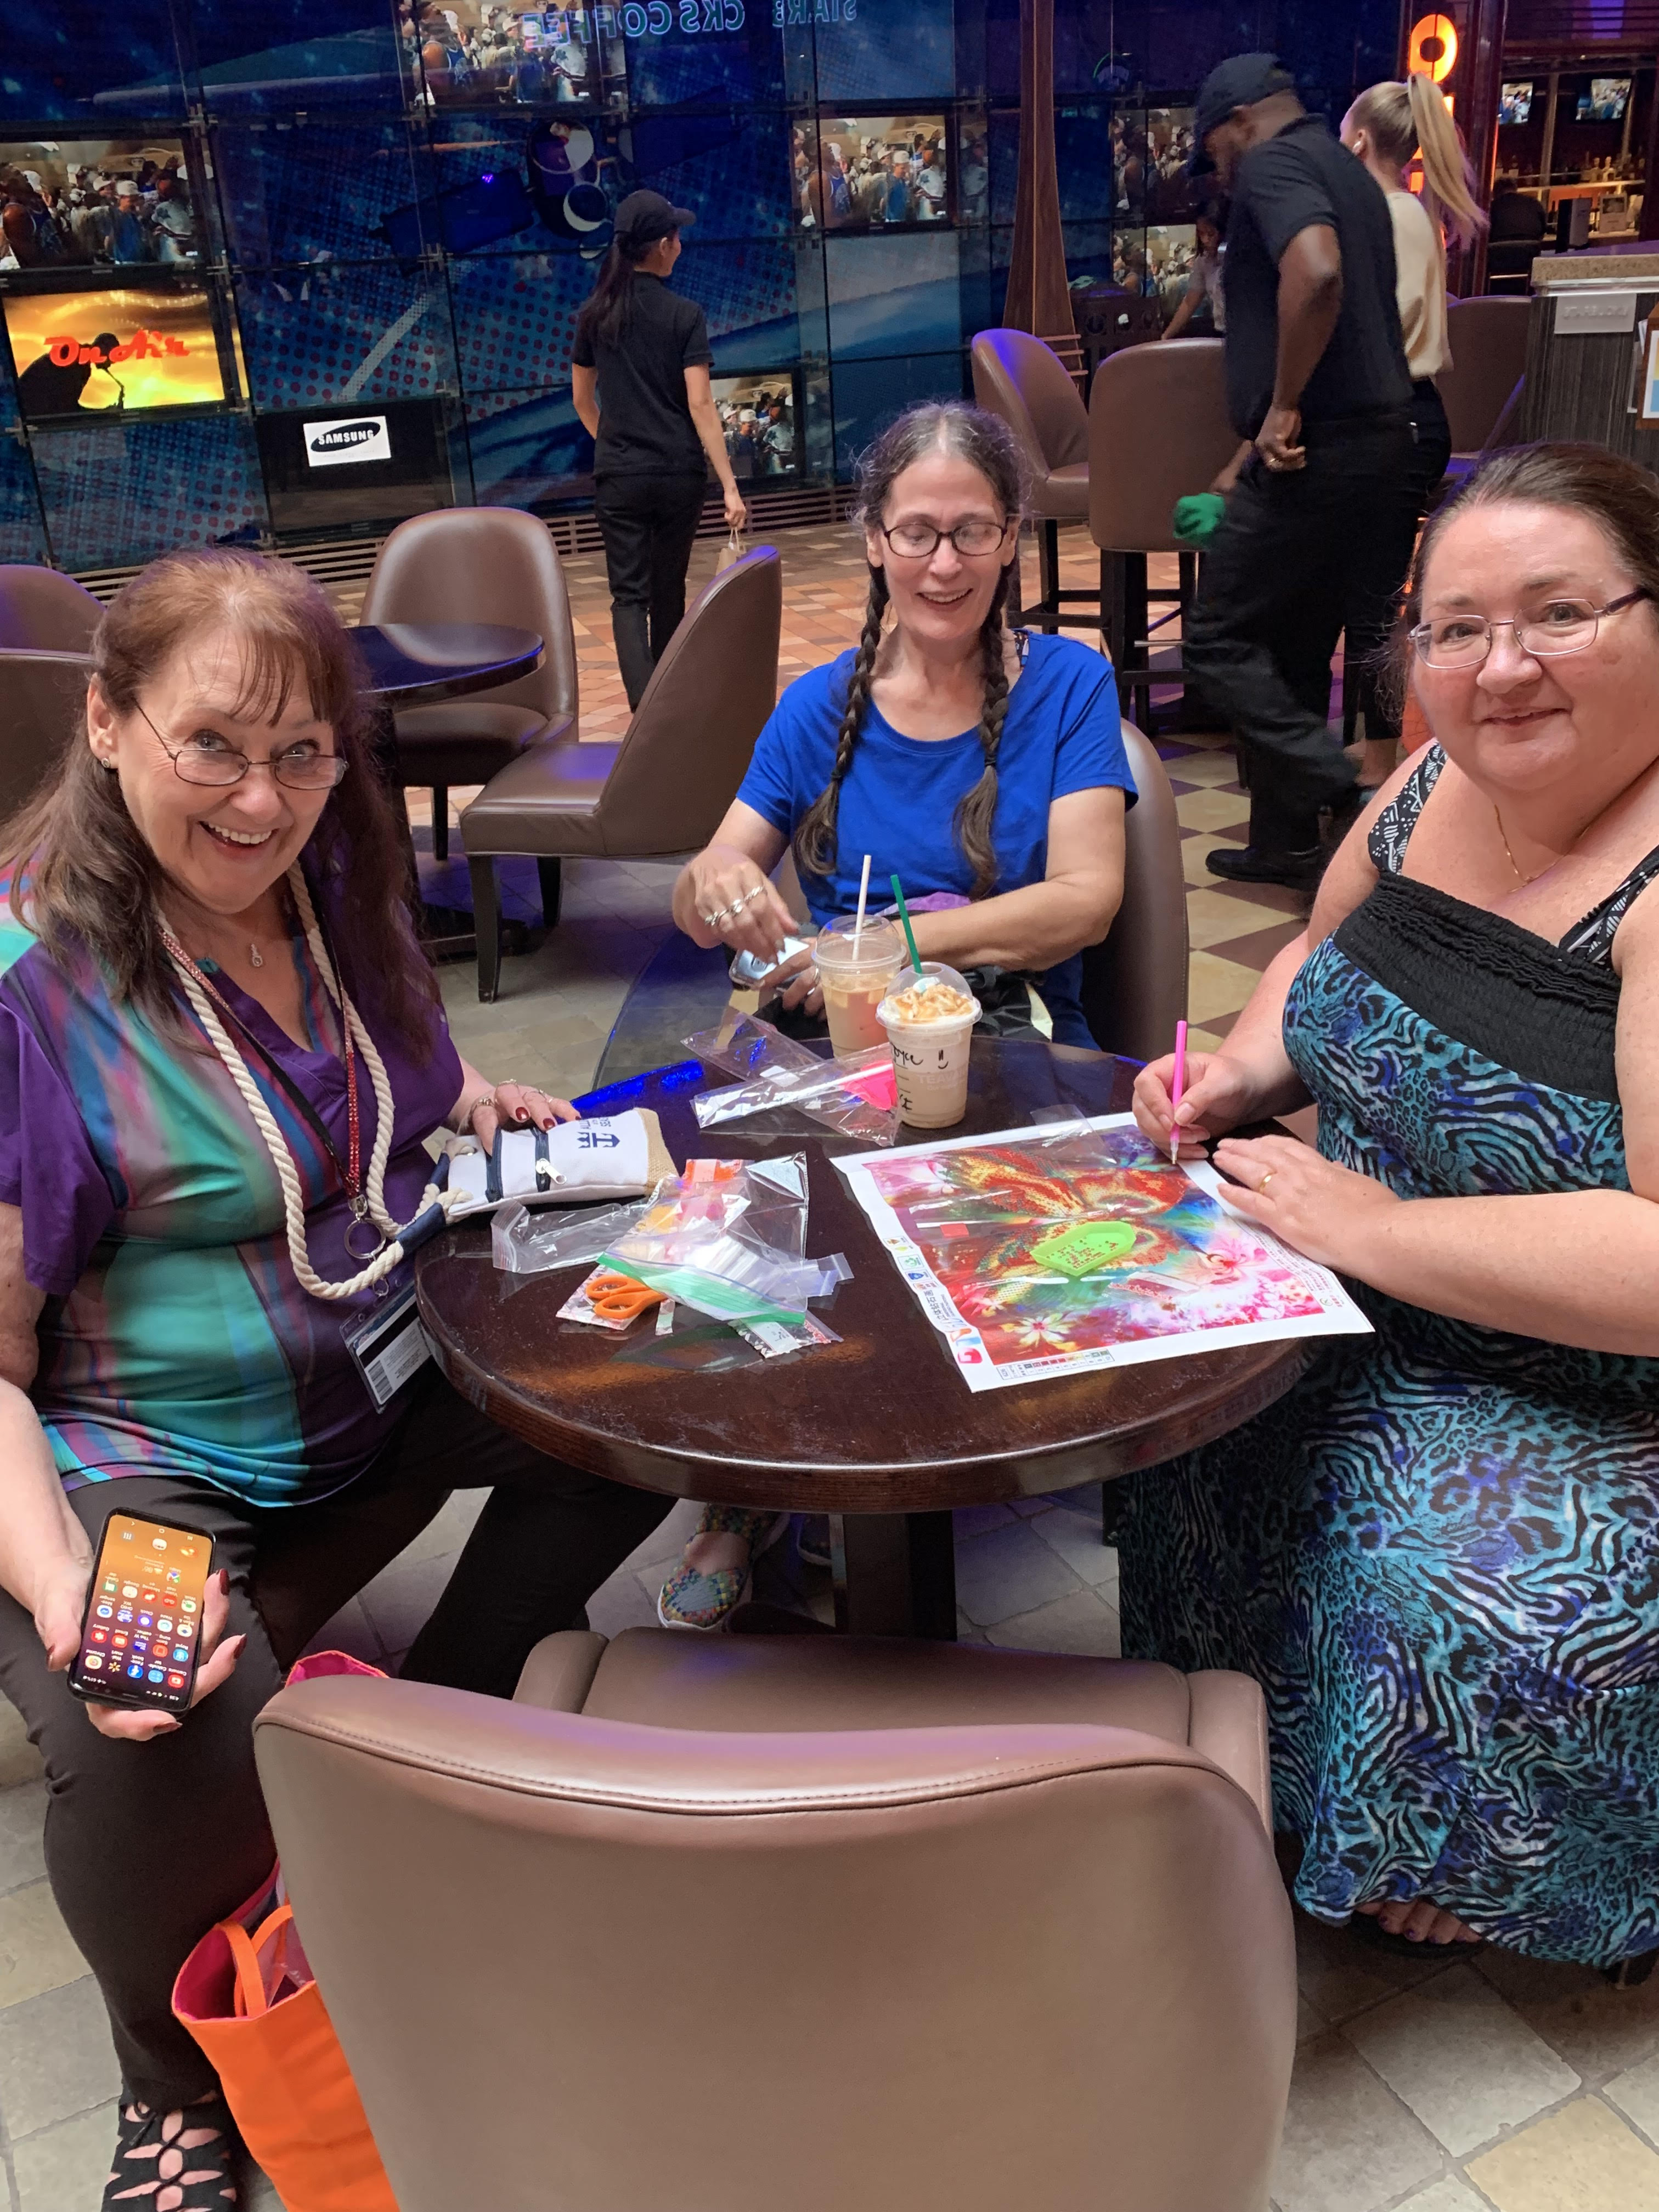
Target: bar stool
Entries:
(1158, 430)
(1024, 381)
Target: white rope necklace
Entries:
(355, 1032)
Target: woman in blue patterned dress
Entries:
(1440, 1552)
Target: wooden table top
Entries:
(412, 663)
(881, 1422)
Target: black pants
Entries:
(647, 524)
(1298, 557)
(149, 1843)
(1368, 629)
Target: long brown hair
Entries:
(1403, 120)
(82, 874)
(968, 435)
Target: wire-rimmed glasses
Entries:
(1546, 633)
(208, 758)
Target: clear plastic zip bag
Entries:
(523, 1242)
(854, 1096)
(730, 1239)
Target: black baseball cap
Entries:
(644, 217)
(1239, 82)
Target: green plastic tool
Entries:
(1085, 1248)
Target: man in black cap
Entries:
(1319, 521)
(639, 373)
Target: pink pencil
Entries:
(1175, 1087)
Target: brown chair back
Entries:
(1046, 1965)
(678, 768)
(1134, 981)
(1024, 381)
(482, 564)
(1158, 430)
(1488, 339)
(42, 696)
(42, 610)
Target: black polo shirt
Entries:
(645, 424)
(1284, 186)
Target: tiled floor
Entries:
(1439, 2084)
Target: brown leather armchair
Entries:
(42, 696)
(990, 1928)
(1158, 430)
(1134, 981)
(43, 611)
(1488, 341)
(1024, 381)
(486, 564)
(664, 786)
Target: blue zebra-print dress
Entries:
(1439, 1553)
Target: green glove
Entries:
(1198, 517)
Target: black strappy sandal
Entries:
(185, 2161)
(1366, 1928)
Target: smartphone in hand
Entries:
(141, 1636)
(749, 968)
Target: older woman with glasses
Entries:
(1440, 1552)
(983, 767)
(221, 1053)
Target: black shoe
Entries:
(193, 2153)
(1253, 864)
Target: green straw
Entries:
(910, 934)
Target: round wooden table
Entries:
(880, 1427)
(412, 664)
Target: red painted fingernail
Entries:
(224, 1580)
(549, 1123)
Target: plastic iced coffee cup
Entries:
(930, 1025)
(855, 980)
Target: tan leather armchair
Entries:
(43, 611)
(1024, 381)
(975, 1929)
(484, 564)
(1158, 430)
(663, 788)
(1134, 981)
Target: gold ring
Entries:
(1266, 1178)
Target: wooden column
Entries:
(1038, 300)
(1649, 226)
(1479, 80)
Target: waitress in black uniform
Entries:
(641, 372)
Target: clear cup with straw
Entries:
(928, 1015)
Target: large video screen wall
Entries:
(310, 264)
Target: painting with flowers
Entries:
(1051, 1250)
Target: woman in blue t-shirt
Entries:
(985, 769)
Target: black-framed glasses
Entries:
(1558, 627)
(208, 758)
(920, 541)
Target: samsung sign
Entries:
(351, 438)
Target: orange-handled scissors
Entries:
(619, 1297)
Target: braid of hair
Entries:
(977, 813)
(815, 836)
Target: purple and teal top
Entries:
(175, 1338)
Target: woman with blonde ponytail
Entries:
(983, 766)
(1387, 128)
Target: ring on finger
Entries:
(1266, 1178)
(749, 897)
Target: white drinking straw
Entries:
(864, 893)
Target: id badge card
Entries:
(388, 1345)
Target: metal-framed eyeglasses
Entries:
(1547, 633)
(207, 757)
(920, 541)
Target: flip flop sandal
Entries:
(704, 1601)
(179, 2162)
(1366, 1928)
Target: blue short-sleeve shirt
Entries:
(898, 801)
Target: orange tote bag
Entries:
(248, 1996)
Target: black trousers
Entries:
(1298, 557)
(149, 1843)
(647, 524)
(1370, 629)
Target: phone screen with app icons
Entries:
(140, 1639)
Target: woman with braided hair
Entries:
(984, 767)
